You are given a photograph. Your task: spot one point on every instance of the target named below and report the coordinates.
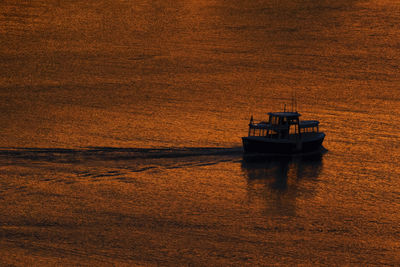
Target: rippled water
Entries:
(121, 124)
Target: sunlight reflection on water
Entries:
(121, 125)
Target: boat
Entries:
(283, 133)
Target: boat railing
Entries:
(266, 125)
(269, 130)
(309, 126)
(291, 131)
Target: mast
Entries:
(250, 125)
(292, 99)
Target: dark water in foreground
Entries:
(120, 130)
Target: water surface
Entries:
(121, 124)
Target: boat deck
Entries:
(305, 137)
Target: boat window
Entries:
(274, 120)
(293, 129)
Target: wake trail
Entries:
(113, 153)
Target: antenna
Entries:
(292, 99)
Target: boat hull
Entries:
(258, 144)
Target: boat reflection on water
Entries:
(279, 181)
(278, 169)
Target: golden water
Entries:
(121, 124)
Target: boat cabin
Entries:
(283, 125)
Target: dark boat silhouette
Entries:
(283, 133)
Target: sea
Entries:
(121, 125)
